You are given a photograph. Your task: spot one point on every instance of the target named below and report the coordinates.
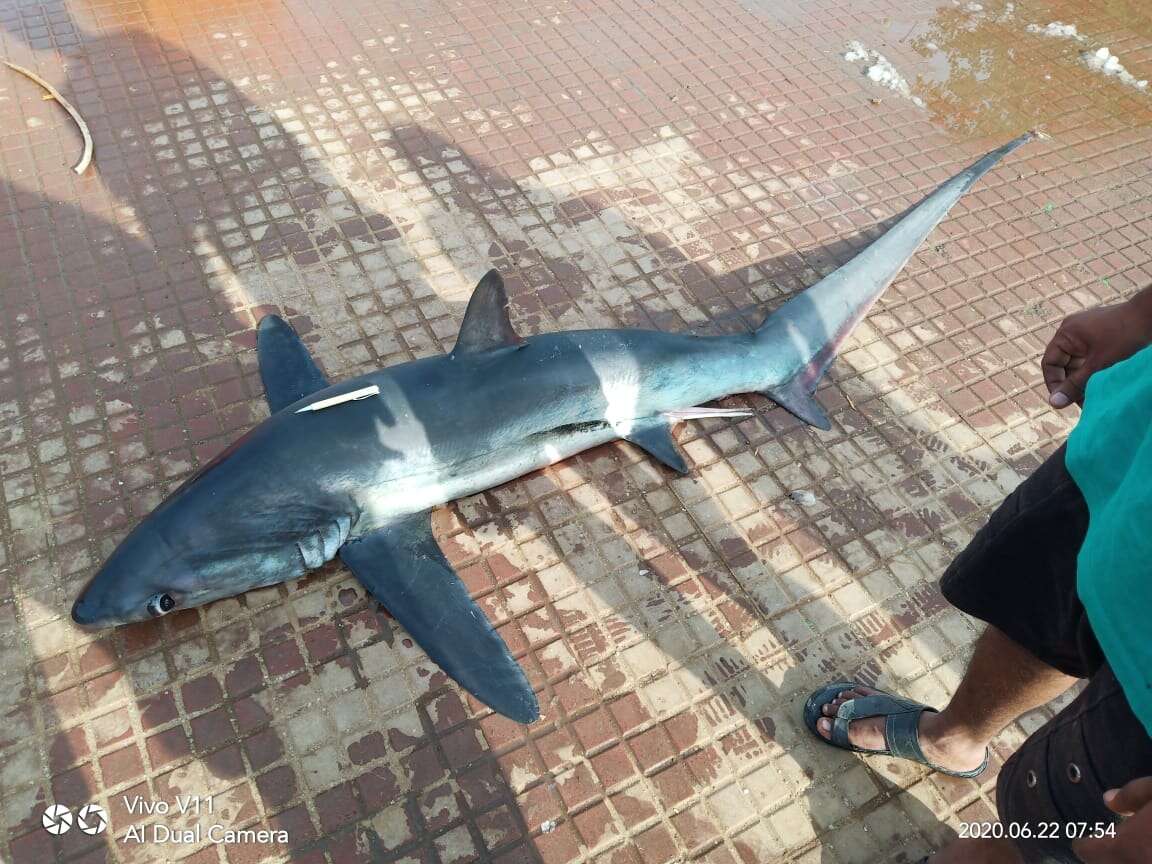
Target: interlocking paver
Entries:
(356, 167)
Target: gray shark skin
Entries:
(358, 479)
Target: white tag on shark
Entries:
(354, 395)
(700, 413)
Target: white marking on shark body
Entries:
(619, 378)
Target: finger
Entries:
(1054, 363)
(1131, 797)
(1072, 387)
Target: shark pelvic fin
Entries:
(402, 566)
(799, 400)
(486, 326)
(287, 369)
(654, 437)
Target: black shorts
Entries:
(1019, 575)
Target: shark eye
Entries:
(160, 604)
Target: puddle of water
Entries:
(983, 73)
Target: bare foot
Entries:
(944, 747)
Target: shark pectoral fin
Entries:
(287, 369)
(486, 326)
(796, 398)
(402, 566)
(654, 437)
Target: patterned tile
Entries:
(356, 167)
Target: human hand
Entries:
(1133, 841)
(1089, 341)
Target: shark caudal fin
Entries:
(816, 322)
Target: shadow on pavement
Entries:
(691, 654)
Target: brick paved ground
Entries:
(357, 165)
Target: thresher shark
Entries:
(353, 469)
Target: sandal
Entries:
(901, 724)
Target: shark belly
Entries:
(392, 498)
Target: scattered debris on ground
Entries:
(978, 13)
(1100, 59)
(52, 93)
(1057, 29)
(1103, 60)
(880, 70)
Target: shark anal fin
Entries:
(486, 326)
(402, 566)
(654, 437)
(287, 369)
(799, 400)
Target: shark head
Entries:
(157, 570)
(236, 525)
(144, 578)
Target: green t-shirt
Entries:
(1110, 457)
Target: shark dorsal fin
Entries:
(486, 325)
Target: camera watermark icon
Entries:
(56, 819)
(91, 819)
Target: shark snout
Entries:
(130, 583)
(89, 611)
(85, 613)
(110, 598)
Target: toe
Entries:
(830, 708)
(824, 727)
